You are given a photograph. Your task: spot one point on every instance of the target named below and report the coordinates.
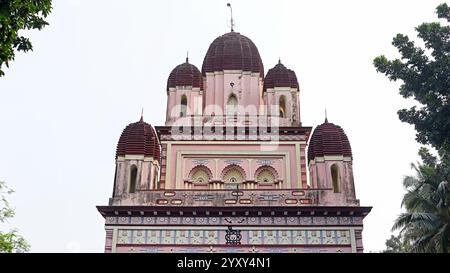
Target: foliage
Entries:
(18, 15)
(13, 242)
(426, 224)
(396, 244)
(425, 76)
(9, 241)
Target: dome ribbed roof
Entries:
(280, 76)
(232, 51)
(138, 138)
(185, 74)
(328, 139)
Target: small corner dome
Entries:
(139, 138)
(232, 51)
(328, 139)
(185, 74)
(280, 76)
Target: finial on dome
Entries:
(187, 56)
(326, 118)
(142, 115)
(232, 20)
(279, 60)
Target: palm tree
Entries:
(426, 224)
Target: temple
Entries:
(233, 169)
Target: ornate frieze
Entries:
(236, 221)
(247, 237)
(220, 197)
(237, 249)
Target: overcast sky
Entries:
(64, 105)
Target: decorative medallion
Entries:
(233, 237)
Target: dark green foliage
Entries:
(396, 244)
(18, 15)
(425, 76)
(426, 224)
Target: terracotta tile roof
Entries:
(232, 51)
(185, 74)
(280, 76)
(138, 138)
(328, 139)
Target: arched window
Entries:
(183, 106)
(336, 178)
(265, 176)
(155, 179)
(133, 177)
(282, 104)
(200, 176)
(233, 175)
(232, 104)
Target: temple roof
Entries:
(185, 74)
(138, 138)
(232, 51)
(280, 76)
(328, 139)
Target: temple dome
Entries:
(185, 74)
(280, 76)
(328, 139)
(232, 51)
(138, 138)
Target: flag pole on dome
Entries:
(232, 20)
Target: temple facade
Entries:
(233, 169)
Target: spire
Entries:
(187, 56)
(142, 115)
(232, 20)
(326, 118)
(279, 60)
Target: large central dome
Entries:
(232, 51)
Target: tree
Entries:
(9, 241)
(396, 244)
(18, 15)
(425, 76)
(426, 224)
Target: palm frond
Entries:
(414, 201)
(421, 220)
(444, 238)
(402, 221)
(426, 224)
(410, 181)
(424, 244)
(443, 190)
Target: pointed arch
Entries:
(335, 178)
(282, 106)
(155, 177)
(133, 179)
(183, 110)
(232, 104)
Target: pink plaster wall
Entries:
(320, 177)
(278, 162)
(248, 90)
(228, 249)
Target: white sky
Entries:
(64, 105)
